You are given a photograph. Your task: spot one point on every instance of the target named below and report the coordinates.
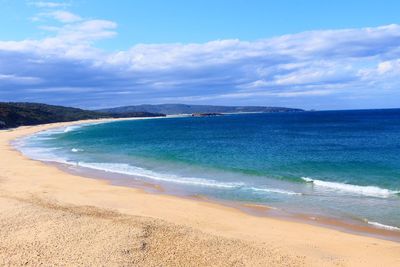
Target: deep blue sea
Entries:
(341, 164)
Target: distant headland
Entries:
(20, 114)
(172, 109)
(14, 114)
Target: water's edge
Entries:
(350, 226)
(362, 228)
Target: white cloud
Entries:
(64, 16)
(15, 79)
(391, 67)
(315, 64)
(382, 67)
(68, 41)
(44, 4)
(385, 67)
(58, 15)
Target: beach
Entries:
(53, 217)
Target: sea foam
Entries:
(42, 154)
(274, 190)
(72, 128)
(372, 191)
(383, 226)
(127, 169)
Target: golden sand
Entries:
(55, 218)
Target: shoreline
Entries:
(361, 228)
(209, 217)
(352, 226)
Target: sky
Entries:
(305, 54)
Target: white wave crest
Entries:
(127, 169)
(372, 191)
(273, 190)
(383, 226)
(72, 128)
(42, 154)
(131, 170)
(76, 150)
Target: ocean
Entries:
(337, 164)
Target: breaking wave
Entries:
(372, 191)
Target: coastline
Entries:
(254, 209)
(22, 179)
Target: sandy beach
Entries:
(51, 217)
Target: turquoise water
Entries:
(342, 164)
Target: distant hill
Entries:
(18, 114)
(170, 109)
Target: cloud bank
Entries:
(316, 69)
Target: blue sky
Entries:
(307, 54)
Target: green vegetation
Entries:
(18, 114)
(190, 109)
